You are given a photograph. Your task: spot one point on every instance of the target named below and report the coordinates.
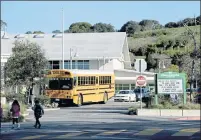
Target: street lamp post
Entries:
(71, 57)
(62, 38)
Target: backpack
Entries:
(38, 111)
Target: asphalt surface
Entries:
(102, 121)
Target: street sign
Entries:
(140, 65)
(141, 81)
(169, 86)
(171, 83)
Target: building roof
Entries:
(88, 45)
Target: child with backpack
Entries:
(38, 112)
(1, 113)
(15, 109)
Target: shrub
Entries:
(132, 110)
(189, 106)
(43, 99)
(20, 97)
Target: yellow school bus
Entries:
(80, 86)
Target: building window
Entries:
(55, 64)
(119, 87)
(132, 86)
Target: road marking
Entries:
(32, 137)
(149, 132)
(187, 132)
(69, 135)
(111, 132)
(103, 137)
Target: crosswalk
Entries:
(156, 132)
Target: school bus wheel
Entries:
(79, 100)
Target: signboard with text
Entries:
(171, 83)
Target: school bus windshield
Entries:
(60, 83)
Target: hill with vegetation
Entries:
(174, 46)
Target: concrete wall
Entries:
(168, 112)
(171, 112)
(191, 112)
(148, 112)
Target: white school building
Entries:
(93, 51)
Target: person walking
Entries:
(15, 109)
(1, 115)
(38, 112)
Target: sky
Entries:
(46, 16)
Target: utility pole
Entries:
(194, 54)
(62, 38)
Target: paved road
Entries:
(108, 121)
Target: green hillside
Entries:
(173, 43)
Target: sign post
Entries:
(172, 83)
(141, 81)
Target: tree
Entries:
(38, 32)
(80, 27)
(28, 32)
(3, 24)
(56, 31)
(103, 27)
(130, 28)
(151, 63)
(198, 20)
(26, 63)
(171, 25)
(147, 24)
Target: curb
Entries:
(186, 118)
(46, 109)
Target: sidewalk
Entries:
(45, 109)
(188, 118)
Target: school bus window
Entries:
(79, 81)
(100, 80)
(96, 80)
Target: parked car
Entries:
(145, 93)
(125, 95)
(197, 99)
(194, 90)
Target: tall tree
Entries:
(38, 32)
(103, 27)
(171, 25)
(28, 32)
(80, 27)
(26, 63)
(198, 20)
(147, 24)
(56, 31)
(130, 28)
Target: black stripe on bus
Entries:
(86, 89)
(106, 91)
(85, 94)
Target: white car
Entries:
(125, 95)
